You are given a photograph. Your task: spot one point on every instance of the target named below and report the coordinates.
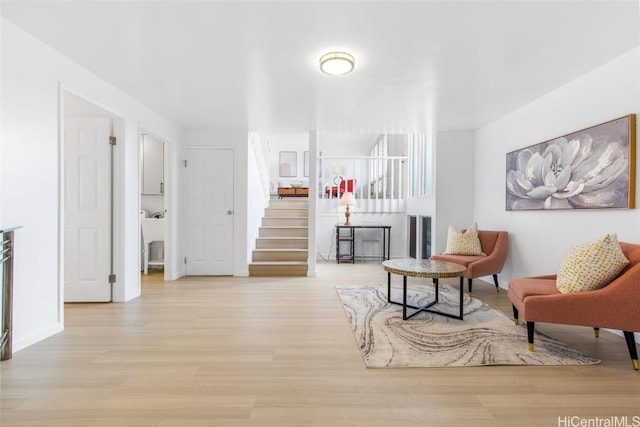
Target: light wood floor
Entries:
(279, 352)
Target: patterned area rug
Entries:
(484, 337)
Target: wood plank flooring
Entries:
(227, 351)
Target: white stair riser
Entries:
(283, 222)
(266, 243)
(280, 255)
(277, 270)
(294, 204)
(285, 213)
(283, 232)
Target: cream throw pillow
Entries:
(467, 243)
(591, 266)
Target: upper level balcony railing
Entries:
(368, 178)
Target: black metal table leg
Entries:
(427, 307)
(337, 245)
(404, 297)
(353, 245)
(398, 267)
(388, 243)
(461, 298)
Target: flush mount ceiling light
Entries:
(337, 63)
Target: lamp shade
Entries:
(347, 199)
(337, 63)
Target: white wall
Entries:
(325, 232)
(313, 199)
(331, 144)
(297, 142)
(238, 142)
(453, 194)
(539, 239)
(33, 76)
(173, 202)
(454, 188)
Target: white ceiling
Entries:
(254, 65)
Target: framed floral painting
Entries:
(593, 168)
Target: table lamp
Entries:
(347, 199)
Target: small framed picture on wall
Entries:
(288, 163)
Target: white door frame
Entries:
(117, 202)
(169, 216)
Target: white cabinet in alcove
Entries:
(152, 165)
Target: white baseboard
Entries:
(177, 275)
(25, 342)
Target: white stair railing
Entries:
(261, 146)
(367, 177)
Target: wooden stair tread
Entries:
(284, 226)
(278, 263)
(288, 218)
(272, 228)
(283, 238)
(297, 214)
(280, 250)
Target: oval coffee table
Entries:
(423, 268)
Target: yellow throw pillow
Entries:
(591, 266)
(467, 243)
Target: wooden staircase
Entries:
(282, 244)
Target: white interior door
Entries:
(87, 204)
(209, 195)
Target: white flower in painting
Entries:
(568, 174)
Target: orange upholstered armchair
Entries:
(345, 185)
(495, 244)
(615, 306)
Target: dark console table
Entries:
(346, 237)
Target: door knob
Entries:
(229, 212)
